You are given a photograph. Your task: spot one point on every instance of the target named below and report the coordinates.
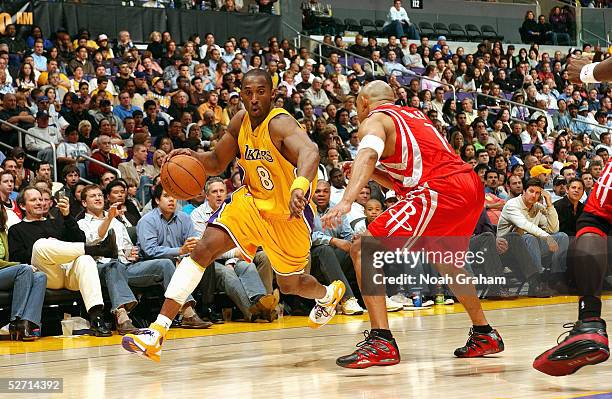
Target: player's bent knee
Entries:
(186, 277)
(201, 255)
(288, 284)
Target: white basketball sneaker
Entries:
(146, 341)
(322, 313)
(351, 307)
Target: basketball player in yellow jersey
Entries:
(272, 210)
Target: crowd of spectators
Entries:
(128, 107)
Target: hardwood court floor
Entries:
(286, 359)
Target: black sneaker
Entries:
(373, 351)
(479, 344)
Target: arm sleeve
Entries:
(345, 230)
(71, 231)
(552, 220)
(190, 230)
(18, 251)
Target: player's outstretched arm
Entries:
(582, 70)
(294, 144)
(225, 151)
(363, 168)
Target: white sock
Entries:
(188, 312)
(329, 295)
(163, 321)
(122, 316)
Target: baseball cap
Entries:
(102, 37)
(390, 194)
(42, 114)
(558, 165)
(441, 38)
(234, 94)
(518, 93)
(583, 108)
(559, 180)
(42, 98)
(482, 107)
(140, 75)
(539, 170)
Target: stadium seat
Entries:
(473, 33)
(457, 32)
(339, 26)
(367, 26)
(488, 32)
(426, 29)
(442, 30)
(352, 25)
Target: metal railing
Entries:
(112, 169)
(506, 101)
(603, 39)
(298, 43)
(10, 147)
(21, 132)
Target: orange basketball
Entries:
(183, 177)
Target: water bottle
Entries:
(417, 300)
(439, 300)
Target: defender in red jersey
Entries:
(440, 196)
(587, 342)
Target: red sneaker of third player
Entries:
(480, 344)
(586, 344)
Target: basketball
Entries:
(183, 177)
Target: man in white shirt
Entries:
(398, 23)
(539, 225)
(43, 130)
(126, 270)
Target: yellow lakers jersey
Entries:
(266, 173)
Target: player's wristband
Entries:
(587, 73)
(300, 182)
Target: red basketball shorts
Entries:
(448, 207)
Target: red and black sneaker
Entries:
(586, 344)
(480, 344)
(373, 351)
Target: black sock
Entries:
(483, 329)
(95, 312)
(589, 306)
(386, 334)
